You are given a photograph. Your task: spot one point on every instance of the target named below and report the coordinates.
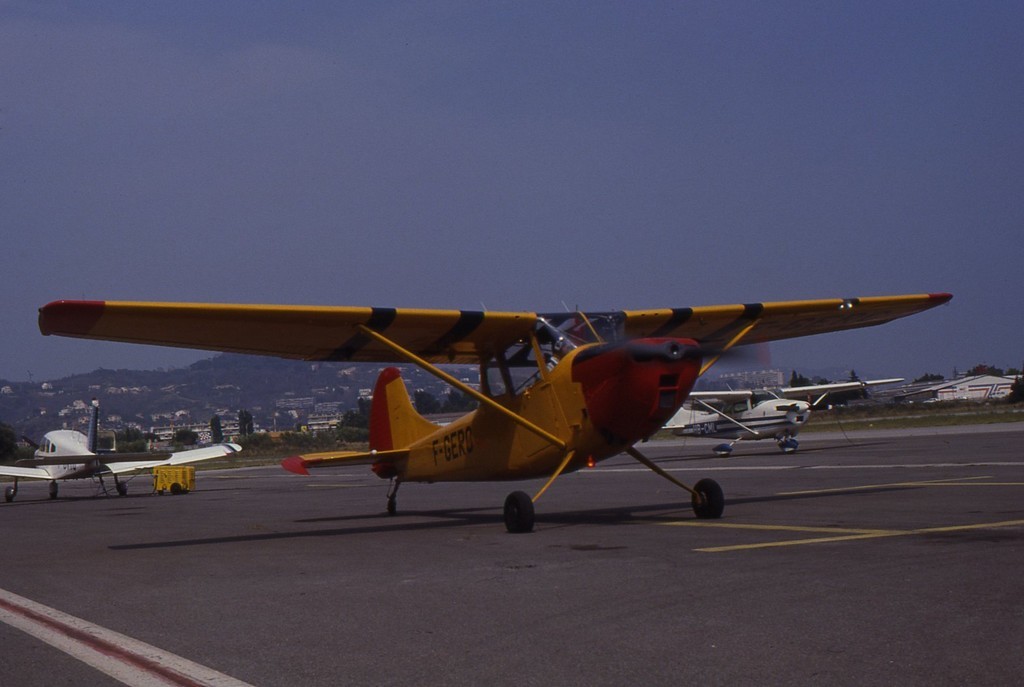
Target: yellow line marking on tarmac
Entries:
(334, 486)
(841, 534)
(776, 528)
(952, 481)
(973, 484)
(979, 526)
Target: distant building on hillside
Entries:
(229, 428)
(761, 379)
(976, 388)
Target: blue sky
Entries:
(516, 156)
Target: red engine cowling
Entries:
(633, 388)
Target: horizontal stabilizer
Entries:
(300, 464)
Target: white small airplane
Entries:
(746, 415)
(66, 454)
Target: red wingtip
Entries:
(70, 318)
(295, 464)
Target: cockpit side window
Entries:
(493, 380)
(739, 406)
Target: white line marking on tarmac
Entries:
(122, 658)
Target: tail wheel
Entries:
(393, 496)
(518, 513)
(711, 501)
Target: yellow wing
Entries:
(444, 336)
(302, 332)
(716, 325)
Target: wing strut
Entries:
(732, 342)
(597, 337)
(650, 464)
(464, 388)
(561, 468)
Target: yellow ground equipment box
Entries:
(177, 479)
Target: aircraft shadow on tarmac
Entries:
(439, 519)
(462, 517)
(26, 498)
(454, 518)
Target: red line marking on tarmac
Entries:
(146, 664)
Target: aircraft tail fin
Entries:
(94, 426)
(394, 422)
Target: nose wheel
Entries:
(708, 500)
(788, 445)
(723, 450)
(706, 496)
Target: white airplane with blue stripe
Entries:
(755, 414)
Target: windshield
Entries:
(556, 335)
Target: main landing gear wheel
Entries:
(53, 490)
(10, 493)
(711, 501)
(518, 513)
(122, 489)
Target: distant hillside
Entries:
(274, 390)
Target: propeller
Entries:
(643, 350)
(794, 412)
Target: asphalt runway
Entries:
(867, 559)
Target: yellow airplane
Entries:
(557, 391)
